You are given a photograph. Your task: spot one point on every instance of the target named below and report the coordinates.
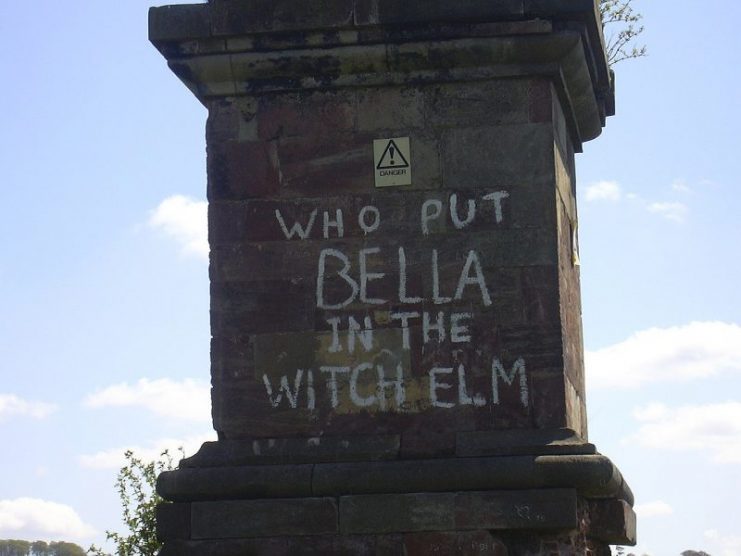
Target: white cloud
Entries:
(11, 406)
(730, 545)
(33, 518)
(604, 191)
(188, 399)
(713, 428)
(114, 458)
(184, 220)
(674, 211)
(680, 186)
(612, 192)
(680, 353)
(653, 509)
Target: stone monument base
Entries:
(233, 498)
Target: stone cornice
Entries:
(248, 47)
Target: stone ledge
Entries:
(411, 523)
(593, 476)
(229, 18)
(226, 519)
(459, 511)
(612, 521)
(249, 47)
(294, 451)
(560, 56)
(514, 442)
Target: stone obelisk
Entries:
(397, 359)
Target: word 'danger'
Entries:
(392, 161)
(373, 387)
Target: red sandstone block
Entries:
(315, 114)
(427, 442)
(459, 543)
(512, 154)
(240, 170)
(540, 94)
(319, 545)
(390, 108)
(548, 400)
(612, 521)
(506, 510)
(318, 165)
(264, 518)
(392, 513)
(495, 102)
(173, 521)
(259, 16)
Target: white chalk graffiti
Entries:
(448, 386)
(345, 279)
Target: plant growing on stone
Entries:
(622, 27)
(136, 489)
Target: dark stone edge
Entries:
(593, 476)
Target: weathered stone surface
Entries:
(492, 510)
(173, 521)
(461, 543)
(394, 513)
(612, 521)
(190, 484)
(320, 545)
(591, 475)
(295, 450)
(263, 518)
(514, 442)
(396, 370)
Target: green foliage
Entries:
(136, 489)
(62, 548)
(11, 547)
(622, 27)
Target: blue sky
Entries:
(104, 286)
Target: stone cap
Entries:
(592, 476)
(238, 47)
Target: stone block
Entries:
(242, 170)
(508, 156)
(295, 450)
(232, 119)
(540, 96)
(169, 23)
(612, 521)
(390, 108)
(521, 442)
(339, 164)
(393, 513)
(311, 115)
(460, 511)
(450, 543)
(512, 510)
(425, 476)
(173, 521)
(548, 395)
(427, 442)
(480, 103)
(318, 545)
(264, 518)
(370, 12)
(234, 482)
(232, 358)
(261, 16)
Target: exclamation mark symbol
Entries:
(391, 152)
